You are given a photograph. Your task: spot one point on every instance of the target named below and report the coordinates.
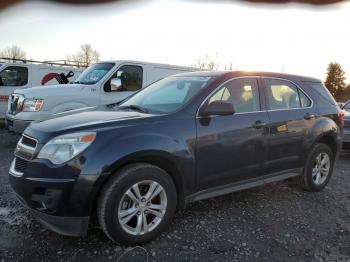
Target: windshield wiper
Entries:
(135, 108)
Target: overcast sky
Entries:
(295, 38)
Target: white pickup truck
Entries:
(100, 84)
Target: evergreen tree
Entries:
(335, 81)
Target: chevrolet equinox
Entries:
(184, 138)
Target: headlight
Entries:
(63, 148)
(32, 105)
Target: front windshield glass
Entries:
(94, 73)
(166, 95)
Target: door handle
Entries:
(258, 124)
(308, 116)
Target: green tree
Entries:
(335, 80)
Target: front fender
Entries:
(174, 155)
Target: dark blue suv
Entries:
(184, 138)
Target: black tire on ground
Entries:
(115, 188)
(305, 180)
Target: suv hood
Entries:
(91, 120)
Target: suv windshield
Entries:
(166, 95)
(94, 73)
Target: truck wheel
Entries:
(137, 204)
(318, 168)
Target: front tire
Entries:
(318, 168)
(137, 204)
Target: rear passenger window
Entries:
(14, 76)
(284, 95)
(242, 93)
(131, 77)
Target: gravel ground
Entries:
(276, 222)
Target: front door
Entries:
(232, 148)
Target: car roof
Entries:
(250, 73)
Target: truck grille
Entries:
(28, 141)
(20, 165)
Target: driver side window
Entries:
(14, 76)
(131, 77)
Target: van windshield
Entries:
(94, 73)
(166, 95)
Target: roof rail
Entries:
(54, 62)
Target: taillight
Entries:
(341, 115)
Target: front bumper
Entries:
(16, 125)
(20, 121)
(68, 226)
(60, 200)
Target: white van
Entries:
(100, 84)
(16, 76)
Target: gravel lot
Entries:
(276, 222)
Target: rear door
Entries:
(291, 112)
(11, 77)
(232, 148)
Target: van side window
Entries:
(131, 77)
(242, 93)
(284, 95)
(14, 76)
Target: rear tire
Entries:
(318, 168)
(137, 204)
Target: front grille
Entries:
(15, 103)
(20, 165)
(346, 123)
(28, 141)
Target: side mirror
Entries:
(116, 84)
(217, 108)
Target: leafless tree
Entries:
(207, 62)
(13, 52)
(228, 67)
(86, 56)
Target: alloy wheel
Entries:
(142, 207)
(321, 168)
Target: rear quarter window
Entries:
(322, 91)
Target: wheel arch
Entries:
(329, 140)
(157, 158)
(325, 131)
